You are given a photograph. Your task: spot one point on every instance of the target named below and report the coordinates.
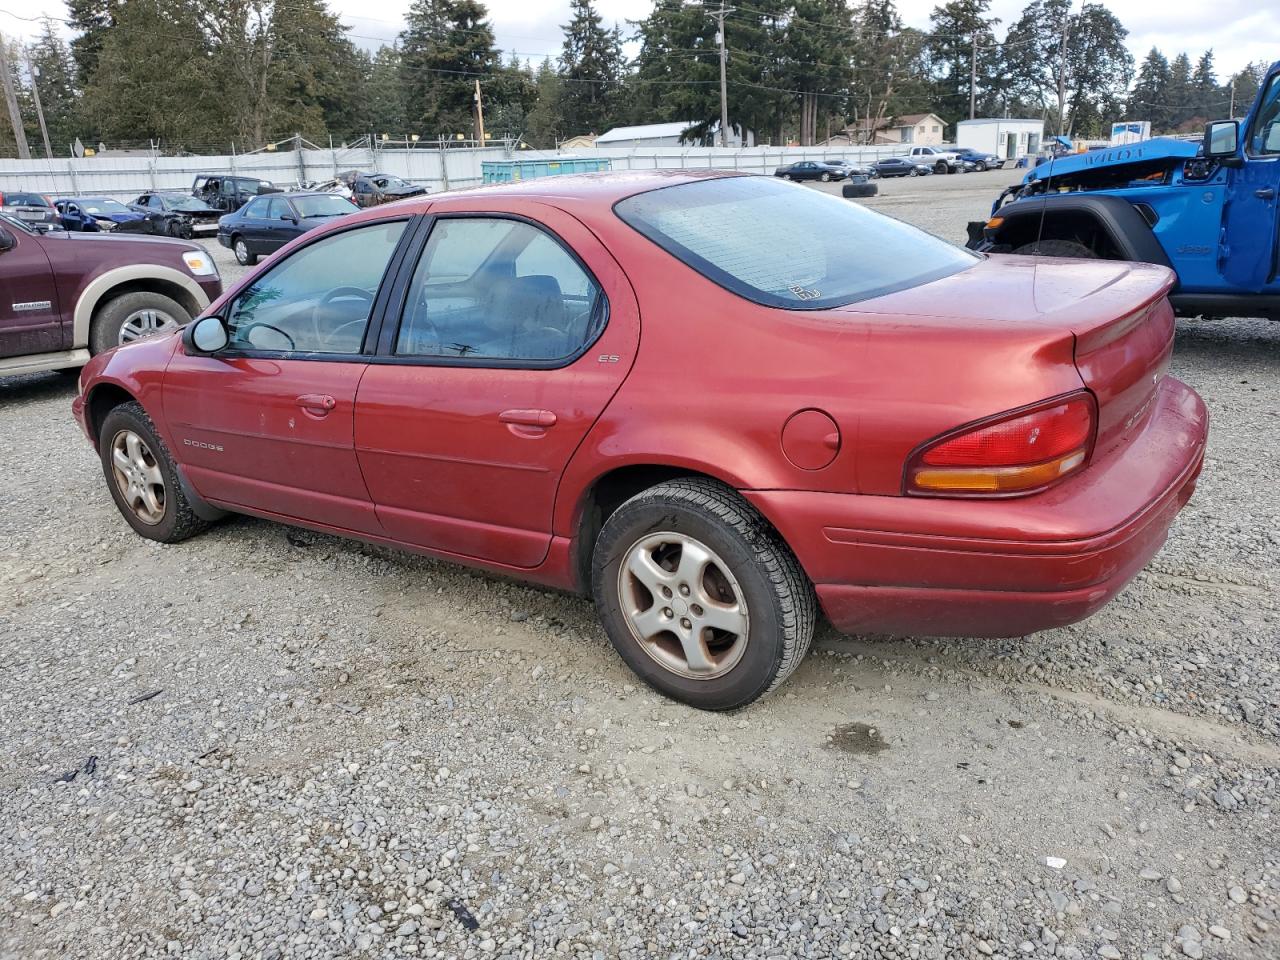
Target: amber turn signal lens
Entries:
(996, 479)
(994, 222)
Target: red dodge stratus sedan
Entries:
(717, 403)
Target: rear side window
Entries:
(787, 246)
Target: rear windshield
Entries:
(25, 200)
(784, 245)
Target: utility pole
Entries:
(973, 78)
(35, 93)
(11, 98)
(724, 84)
(479, 114)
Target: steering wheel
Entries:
(253, 326)
(337, 293)
(335, 334)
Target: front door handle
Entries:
(316, 404)
(1266, 193)
(529, 418)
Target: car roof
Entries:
(575, 188)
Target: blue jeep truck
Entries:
(1207, 210)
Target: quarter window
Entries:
(318, 300)
(492, 289)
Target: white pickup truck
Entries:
(943, 161)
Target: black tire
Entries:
(826, 177)
(244, 256)
(179, 521)
(779, 600)
(980, 166)
(109, 318)
(913, 172)
(1056, 248)
(941, 167)
(852, 190)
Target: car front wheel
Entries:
(244, 256)
(826, 177)
(133, 316)
(699, 596)
(142, 477)
(980, 167)
(913, 172)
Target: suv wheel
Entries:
(980, 166)
(142, 477)
(243, 256)
(699, 596)
(132, 316)
(940, 167)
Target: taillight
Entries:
(1016, 452)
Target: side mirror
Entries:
(205, 336)
(7, 240)
(288, 216)
(1222, 139)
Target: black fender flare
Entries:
(1126, 228)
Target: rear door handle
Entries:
(528, 418)
(317, 404)
(1266, 193)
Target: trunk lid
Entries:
(1118, 315)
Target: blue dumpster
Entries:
(506, 171)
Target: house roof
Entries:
(646, 131)
(911, 119)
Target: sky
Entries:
(1239, 31)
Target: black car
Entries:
(981, 161)
(31, 208)
(856, 171)
(901, 167)
(372, 189)
(265, 224)
(226, 193)
(177, 214)
(813, 170)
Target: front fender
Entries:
(1023, 221)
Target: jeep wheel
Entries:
(1056, 248)
(133, 316)
(243, 256)
(142, 478)
(699, 596)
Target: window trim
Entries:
(1272, 82)
(380, 298)
(386, 354)
(709, 272)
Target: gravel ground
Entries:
(269, 743)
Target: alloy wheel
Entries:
(138, 477)
(145, 323)
(683, 605)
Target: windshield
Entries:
(788, 246)
(330, 205)
(386, 181)
(183, 203)
(104, 207)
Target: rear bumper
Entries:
(998, 568)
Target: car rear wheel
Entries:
(1056, 248)
(699, 596)
(133, 316)
(244, 256)
(142, 477)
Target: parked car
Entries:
(228, 194)
(69, 296)
(265, 224)
(838, 411)
(981, 161)
(856, 170)
(938, 159)
(1206, 210)
(99, 214)
(823, 170)
(372, 189)
(32, 208)
(178, 214)
(901, 167)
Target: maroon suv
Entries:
(68, 296)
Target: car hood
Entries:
(75, 237)
(1161, 148)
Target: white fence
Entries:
(435, 168)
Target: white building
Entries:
(666, 135)
(1007, 138)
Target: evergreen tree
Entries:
(385, 110)
(543, 126)
(55, 72)
(1150, 94)
(1209, 101)
(1179, 96)
(591, 68)
(814, 51)
(91, 20)
(956, 27)
(1099, 68)
(889, 73)
(446, 46)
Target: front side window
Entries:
(278, 209)
(1264, 138)
(496, 289)
(318, 300)
(256, 208)
(782, 246)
